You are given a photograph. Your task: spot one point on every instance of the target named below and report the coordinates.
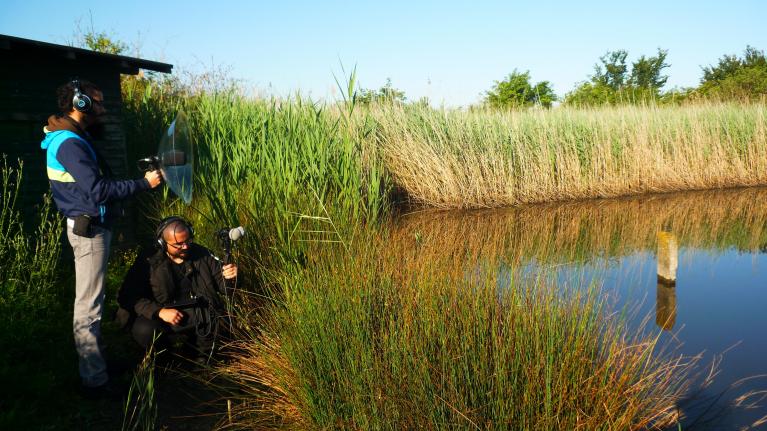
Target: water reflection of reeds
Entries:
(582, 231)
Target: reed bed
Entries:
(356, 326)
(454, 159)
(358, 340)
(265, 163)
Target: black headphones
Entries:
(167, 221)
(80, 102)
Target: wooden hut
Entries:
(30, 73)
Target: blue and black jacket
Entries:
(78, 184)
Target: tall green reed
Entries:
(364, 340)
(140, 409)
(267, 164)
(28, 259)
(30, 293)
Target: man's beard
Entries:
(178, 254)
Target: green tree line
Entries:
(616, 81)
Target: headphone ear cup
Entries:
(81, 102)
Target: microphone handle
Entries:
(228, 283)
(227, 245)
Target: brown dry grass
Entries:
(453, 159)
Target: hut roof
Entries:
(126, 65)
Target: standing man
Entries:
(85, 194)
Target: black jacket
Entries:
(149, 285)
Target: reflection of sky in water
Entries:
(721, 302)
(179, 179)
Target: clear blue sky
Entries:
(448, 51)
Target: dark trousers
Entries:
(144, 330)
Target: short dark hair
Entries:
(66, 92)
(175, 226)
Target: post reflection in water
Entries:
(665, 305)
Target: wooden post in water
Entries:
(665, 295)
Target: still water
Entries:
(692, 265)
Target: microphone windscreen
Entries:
(173, 158)
(236, 233)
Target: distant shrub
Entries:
(735, 78)
(516, 91)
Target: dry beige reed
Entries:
(455, 159)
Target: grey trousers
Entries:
(91, 255)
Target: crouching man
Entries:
(177, 287)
